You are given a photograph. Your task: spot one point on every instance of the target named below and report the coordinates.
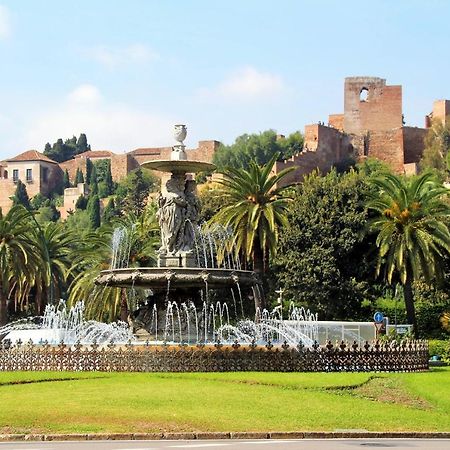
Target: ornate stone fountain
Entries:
(180, 269)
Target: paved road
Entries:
(302, 444)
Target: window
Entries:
(363, 95)
(29, 175)
(5, 174)
(44, 174)
(16, 175)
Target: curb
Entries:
(222, 435)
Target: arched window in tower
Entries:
(363, 95)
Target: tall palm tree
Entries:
(103, 302)
(413, 239)
(55, 246)
(19, 255)
(255, 208)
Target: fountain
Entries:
(188, 327)
(191, 263)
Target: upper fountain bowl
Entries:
(179, 166)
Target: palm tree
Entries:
(255, 209)
(412, 224)
(55, 246)
(108, 303)
(19, 256)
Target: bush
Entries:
(439, 347)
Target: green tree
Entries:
(93, 185)
(322, 260)
(55, 245)
(257, 147)
(89, 168)
(19, 258)
(82, 144)
(436, 154)
(110, 211)
(21, 196)
(106, 303)
(66, 180)
(411, 224)
(79, 177)
(93, 209)
(137, 189)
(109, 182)
(254, 209)
(38, 201)
(47, 214)
(81, 202)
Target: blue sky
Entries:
(125, 71)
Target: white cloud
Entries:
(5, 23)
(113, 57)
(109, 126)
(246, 84)
(85, 93)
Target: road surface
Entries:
(266, 444)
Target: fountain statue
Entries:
(188, 261)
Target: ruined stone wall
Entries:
(382, 110)
(324, 146)
(336, 121)
(441, 111)
(121, 165)
(72, 165)
(413, 144)
(387, 146)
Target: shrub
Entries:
(441, 348)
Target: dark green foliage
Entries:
(436, 155)
(47, 214)
(39, 200)
(81, 202)
(323, 260)
(66, 180)
(104, 178)
(110, 211)
(89, 167)
(133, 191)
(79, 177)
(93, 210)
(258, 147)
(82, 144)
(65, 150)
(93, 183)
(210, 200)
(21, 196)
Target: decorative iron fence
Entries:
(408, 356)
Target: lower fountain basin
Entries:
(157, 278)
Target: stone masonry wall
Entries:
(413, 144)
(324, 146)
(387, 146)
(382, 110)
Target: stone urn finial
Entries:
(178, 151)
(180, 132)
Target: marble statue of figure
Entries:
(171, 214)
(191, 217)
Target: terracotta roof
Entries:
(95, 154)
(150, 151)
(32, 155)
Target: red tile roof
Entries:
(32, 155)
(95, 154)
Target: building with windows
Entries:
(39, 173)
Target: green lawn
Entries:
(137, 402)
